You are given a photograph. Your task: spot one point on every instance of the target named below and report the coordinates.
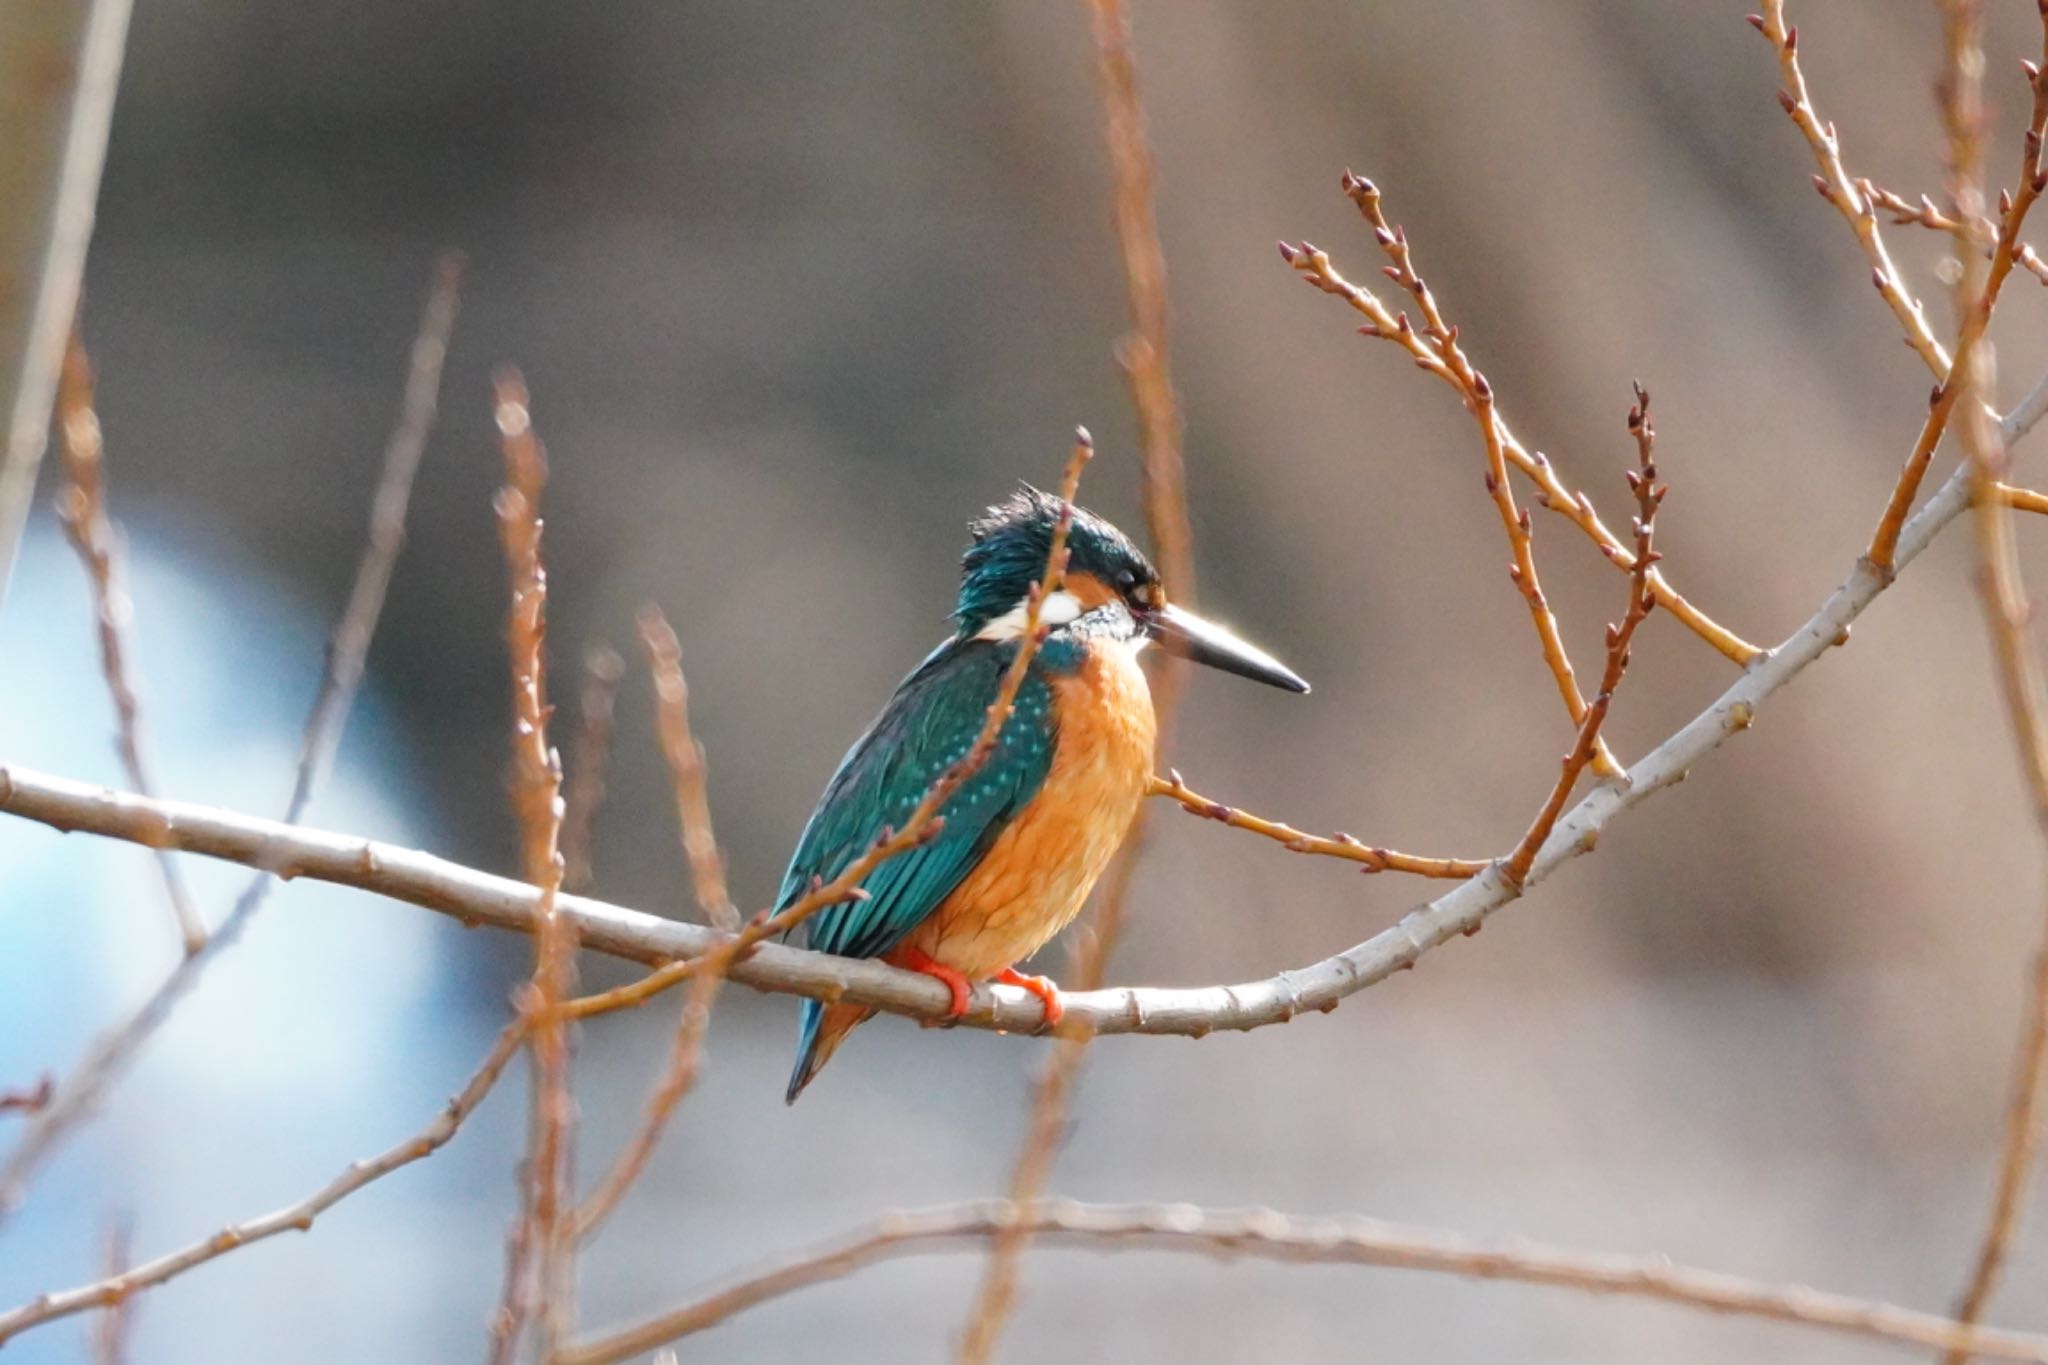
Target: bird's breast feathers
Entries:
(1039, 870)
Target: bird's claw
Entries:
(1041, 986)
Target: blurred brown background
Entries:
(798, 289)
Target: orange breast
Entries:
(1040, 869)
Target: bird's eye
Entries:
(1126, 580)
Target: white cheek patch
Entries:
(1060, 609)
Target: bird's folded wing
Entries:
(929, 724)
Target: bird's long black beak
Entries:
(1204, 642)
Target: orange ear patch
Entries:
(1090, 591)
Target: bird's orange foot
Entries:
(911, 959)
(1040, 986)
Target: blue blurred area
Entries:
(285, 1064)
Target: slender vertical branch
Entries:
(60, 61)
(1143, 353)
(584, 790)
(540, 1248)
(707, 876)
(1642, 480)
(82, 508)
(110, 1329)
(1164, 488)
(2006, 608)
(686, 769)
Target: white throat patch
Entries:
(1060, 609)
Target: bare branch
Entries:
(1925, 214)
(707, 873)
(53, 141)
(1840, 189)
(1164, 491)
(686, 771)
(82, 509)
(1837, 187)
(1371, 857)
(584, 790)
(292, 1218)
(1267, 1235)
(2006, 609)
(1315, 267)
(1586, 748)
(541, 1236)
(481, 898)
(111, 1052)
(29, 1099)
(110, 1330)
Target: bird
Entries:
(1024, 838)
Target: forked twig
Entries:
(1840, 189)
(82, 509)
(1858, 208)
(1314, 266)
(1925, 213)
(1642, 481)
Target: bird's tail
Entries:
(820, 1030)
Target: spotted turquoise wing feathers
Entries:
(929, 724)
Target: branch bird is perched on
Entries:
(1026, 836)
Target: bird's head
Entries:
(1111, 589)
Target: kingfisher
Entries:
(1025, 837)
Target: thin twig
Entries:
(1143, 354)
(584, 791)
(110, 1329)
(1315, 267)
(541, 1235)
(707, 876)
(1926, 214)
(1838, 188)
(1371, 857)
(29, 1099)
(2020, 499)
(296, 1217)
(64, 63)
(1266, 1235)
(1642, 480)
(82, 509)
(1163, 486)
(686, 771)
(480, 898)
(111, 1052)
(921, 826)
(2006, 608)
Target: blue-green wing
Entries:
(930, 723)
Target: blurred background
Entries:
(798, 290)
